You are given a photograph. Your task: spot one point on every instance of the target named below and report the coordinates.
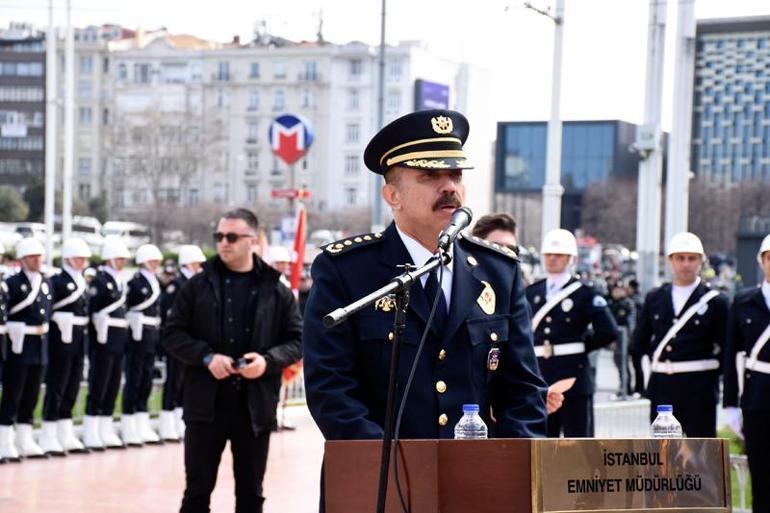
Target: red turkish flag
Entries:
(299, 250)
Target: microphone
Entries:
(461, 218)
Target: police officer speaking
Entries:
(682, 329)
(479, 347)
(563, 307)
(747, 335)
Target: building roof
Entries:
(732, 25)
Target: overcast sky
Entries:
(604, 40)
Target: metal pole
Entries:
(678, 170)
(650, 167)
(69, 126)
(377, 179)
(50, 133)
(553, 190)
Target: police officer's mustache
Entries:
(448, 200)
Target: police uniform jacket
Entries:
(702, 338)
(35, 350)
(139, 291)
(346, 367)
(104, 292)
(63, 286)
(748, 318)
(3, 319)
(168, 295)
(568, 322)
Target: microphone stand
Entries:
(399, 286)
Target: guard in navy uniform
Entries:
(682, 329)
(29, 310)
(479, 347)
(66, 349)
(747, 335)
(108, 337)
(3, 319)
(144, 324)
(172, 425)
(570, 318)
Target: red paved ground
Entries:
(151, 479)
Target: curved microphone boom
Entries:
(460, 220)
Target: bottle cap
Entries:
(665, 408)
(470, 408)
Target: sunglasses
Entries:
(232, 238)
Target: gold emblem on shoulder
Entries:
(441, 124)
(331, 248)
(386, 303)
(487, 299)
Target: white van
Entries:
(133, 234)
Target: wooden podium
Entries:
(523, 476)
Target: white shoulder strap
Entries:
(114, 306)
(678, 325)
(760, 343)
(555, 300)
(150, 300)
(24, 303)
(81, 288)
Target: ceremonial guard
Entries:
(66, 349)
(144, 323)
(3, 320)
(570, 318)
(479, 346)
(682, 329)
(747, 360)
(108, 336)
(171, 424)
(29, 310)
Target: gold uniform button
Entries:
(493, 336)
(442, 355)
(391, 336)
(547, 331)
(548, 319)
(443, 419)
(472, 261)
(440, 387)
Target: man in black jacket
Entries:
(235, 327)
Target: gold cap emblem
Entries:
(441, 124)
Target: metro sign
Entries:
(290, 137)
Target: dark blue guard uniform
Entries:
(687, 374)
(172, 387)
(143, 302)
(580, 323)
(484, 354)
(749, 317)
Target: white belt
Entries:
(150, 321)
(114, 322)
(758, 365)
(3, 329)
(79, 321)
(669, 367)
(548, 350)
(36, 330)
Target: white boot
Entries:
(128, 430)
(107, 433)
(49, 441)
(179, 422)
(146, 433)
(66, 433)
(91, 438)
(7, 446)
(25, 442)
(168, 426)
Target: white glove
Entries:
(734, 420)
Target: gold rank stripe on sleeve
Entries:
(492, 246)
(358, 241)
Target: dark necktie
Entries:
(441, 317)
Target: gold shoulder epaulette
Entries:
(492, 246)
(358, 241)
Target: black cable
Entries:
(408, 386)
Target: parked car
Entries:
(133, 234)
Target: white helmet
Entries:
(113, 247)
(73, 248)
(279, 254)
(147, 252)
(765, 246)
(29, 246)
(685, 242)
(190, 253)
(559, 242)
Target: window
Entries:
(251, 192)
(84, 191)
(356, 68)
(351, 195)
(223, 70)
(252, 162)
(84, 115)
(254, 70)
(193, 197)
(394, 101)
(86, 64)
(142, 73)
(351, 164)
(352, 132)
(279, 99)
(122, 71)
(311, 71)
(106, 65)
(21, 94)
(222, 99)
(252, 131)
(307, 98)
(394, 70)
(253, 100)
(105, 116)
(280, 70)
(85, 88)
(353, 99)
(84, 167)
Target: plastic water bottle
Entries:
(470, 427)
(665, 424)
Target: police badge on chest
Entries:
(493, 358)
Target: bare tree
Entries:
(609, 210)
